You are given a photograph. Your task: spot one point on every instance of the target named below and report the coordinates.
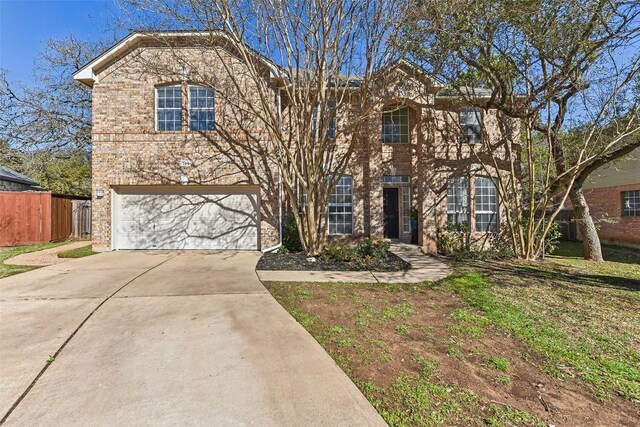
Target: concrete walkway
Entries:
(423, 268)
(160, 338)
(45, 256)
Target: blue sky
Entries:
(26, 24)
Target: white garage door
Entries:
(186, 217)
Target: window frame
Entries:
(350, 205)
(475, 127)
(157, 108)
(400, 135)
(406, 209)
(466, 201)
(332, 130)
(190, 109)
(496, 213)
(634, 211)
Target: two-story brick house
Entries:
(158, 184)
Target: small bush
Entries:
(357, 252)
(290, 235)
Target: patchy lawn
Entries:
(6, 253)
(497, 343)
(77, 252)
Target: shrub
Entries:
(377, 248)
(340, 250)
(290, 235)
(357, 252)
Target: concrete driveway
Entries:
(145, 338)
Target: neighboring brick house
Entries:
(11, 180)
(158, 184)
(613, 196)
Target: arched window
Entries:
(201, 108)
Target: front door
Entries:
(391, 213)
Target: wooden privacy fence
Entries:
(37, 217)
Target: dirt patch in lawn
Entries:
(422, 357)
(300, 262)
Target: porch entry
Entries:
(391, 209)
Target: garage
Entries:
(186, 217)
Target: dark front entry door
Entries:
(391, 213)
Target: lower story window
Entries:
(406, 210)
(458, 201)
(341, 207)
(486, 206)
(631, 203)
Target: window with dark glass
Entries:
(341, 207)
(486, 205)
(201, 108)
(470, 119)
(395, 126)
(169, 108)
(458, 201)
(331, 130)
(631, 203)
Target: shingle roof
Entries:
(7, 174)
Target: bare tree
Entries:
(301, 73)
(550, 65)
(45, 123)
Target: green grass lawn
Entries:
(77, 253)
(6, 253)
(497, 343)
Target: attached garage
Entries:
(186, 217)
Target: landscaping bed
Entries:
(300, 262)
(498, 343)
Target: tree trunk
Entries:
(590, 239)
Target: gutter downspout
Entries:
(273, 248)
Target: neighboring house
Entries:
(157, 183)
(613, 196)
(11, 180)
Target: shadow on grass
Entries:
(573, 250)
(557, 274)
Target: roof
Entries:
(7, 174)
(87, 73)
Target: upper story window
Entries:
(331, 130)
(395, 126)
(169, 108)
(341, 207)
(458, 201)
(201, 108)
(470, 120)
(631, 203)
(486, 208)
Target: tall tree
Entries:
(323, 53)
(46, 122)
(551, 65)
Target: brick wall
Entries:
(605, 205)
(127, 150)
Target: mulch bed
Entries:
(300, 262)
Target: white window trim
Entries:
(157, 128)
(341, 204)
(400, 134)
(479, 115)
(213, 108)
(406, 210)
(468, 200)
(482, 212)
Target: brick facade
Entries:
(605, 205)
(127, 150)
